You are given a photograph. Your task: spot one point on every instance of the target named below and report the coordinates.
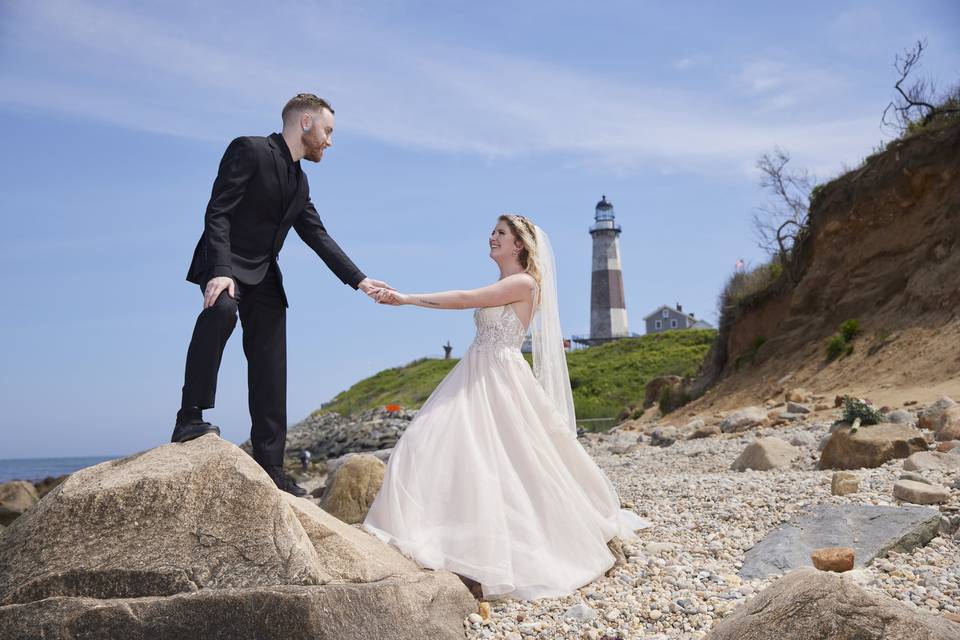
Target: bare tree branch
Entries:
(918, 103)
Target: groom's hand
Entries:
(370, 287)
(215, 286)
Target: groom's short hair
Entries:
(304, 102)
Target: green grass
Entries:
(605, 379)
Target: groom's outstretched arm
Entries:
(237, 166)
(309, 227)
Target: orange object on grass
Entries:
(392, 407)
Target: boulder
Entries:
(743, 419)
(932, 460)
(844, 482)
(796, 407)
(705, 431)
(654, 388)
(920, 492)
(836, 559)
(932, 417)
(949, 428)
(352, 488)
(764, 454)
(947, 446)
(870, 446)
(900, 416)
(803, 439)
(195, 540)
(815, 605)
(869, 530)
(663, 436)
(797, 394)
(15, 498)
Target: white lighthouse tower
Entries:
(608, 312)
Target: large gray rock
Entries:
(817, 605)
(764, 454)
(870, 530)
(196, 537)
(15, 498)
(870, 446)
(934, 416)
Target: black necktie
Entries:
(292, 183)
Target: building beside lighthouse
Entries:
(608, 309)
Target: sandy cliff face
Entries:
(884, 249)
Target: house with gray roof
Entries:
(666, 318)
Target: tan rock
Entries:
(353, 487)
(797, 394)
(15, 498)
(764, 454)
(836, 559)
(844, 482)
(705, 431)
(484, 610)
(870, 446)
(195, 540)
(948, 445)
(949, 428)
(807, 604)
(932, 460)
(933, 417)
(919, 492)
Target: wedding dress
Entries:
(489, 480)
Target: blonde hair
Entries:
(522, 229)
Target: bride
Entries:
(489, 480)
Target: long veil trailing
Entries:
(549, 356)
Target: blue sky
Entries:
(114, 117)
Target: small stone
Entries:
(796, 407)
(612, 614)
(474, 618)
(485, 610)
(580, 612)
(837, 559)
(913, 475)
(656, 614)
(844, 482)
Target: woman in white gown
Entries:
(489, 480)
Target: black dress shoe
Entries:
(284, 482)
(190, 424)
(189, 431)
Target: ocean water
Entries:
(40, 468)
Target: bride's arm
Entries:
(510, 289)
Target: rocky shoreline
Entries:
(737, 500)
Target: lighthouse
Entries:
(608, 312)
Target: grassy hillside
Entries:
(604, 379)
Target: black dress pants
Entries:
(263, 319)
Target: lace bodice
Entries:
(498, 330)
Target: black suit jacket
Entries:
(246, 221)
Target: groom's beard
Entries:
(312, 148)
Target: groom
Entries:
(259, 193)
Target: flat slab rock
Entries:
(870, 530)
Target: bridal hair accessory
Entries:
(549, 356)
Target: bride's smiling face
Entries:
(503, 243)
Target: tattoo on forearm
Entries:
(425, 301)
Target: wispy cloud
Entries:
(143, 72)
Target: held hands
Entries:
(392, 297)
(215, 286)
(372, 287)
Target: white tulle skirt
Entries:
(485, 482)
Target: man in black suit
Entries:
(259, 193)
